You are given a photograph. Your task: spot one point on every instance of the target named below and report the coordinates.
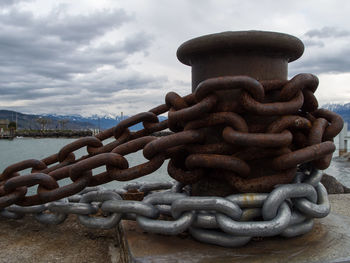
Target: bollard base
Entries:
(329, 241)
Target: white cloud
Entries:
(334, 88)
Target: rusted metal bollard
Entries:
(271, 114)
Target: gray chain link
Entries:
(231, 221)
(52, 218)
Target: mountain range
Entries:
(68, 122)
(342, 109)
(78, 122)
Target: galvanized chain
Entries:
(297, 133)
(231, 221)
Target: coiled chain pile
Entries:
(287, 211)
(251, 157)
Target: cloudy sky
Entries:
(106, 56)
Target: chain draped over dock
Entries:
(266, 148)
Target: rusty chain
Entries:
(294, 131)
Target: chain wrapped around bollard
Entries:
(244, 168)
(225, 221)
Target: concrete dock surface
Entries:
(27, 240)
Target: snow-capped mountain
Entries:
(99, 122)
(337, 107)
(342, 109)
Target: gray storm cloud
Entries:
(4, 3)
(327, 32)
(52, 59)
(326, 51)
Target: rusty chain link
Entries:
(291, 131)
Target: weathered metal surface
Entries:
(240, 53)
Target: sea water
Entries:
(19, 149)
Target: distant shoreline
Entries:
(68, 134)
(53, 134)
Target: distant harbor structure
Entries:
(4, 125)
(95, 131)
(5, 132)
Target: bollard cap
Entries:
(271, 43)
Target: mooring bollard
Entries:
(246, 150)
(271, 108)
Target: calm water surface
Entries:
(28, 148)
